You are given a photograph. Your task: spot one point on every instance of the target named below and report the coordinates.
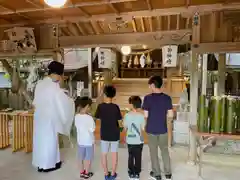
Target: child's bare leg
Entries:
(87, 165)
(81, 165)
(104, 163)
(114, 162)
(114, 150)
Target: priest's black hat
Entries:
(55, 68)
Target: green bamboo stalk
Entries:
(230, 115)
(224, 114)
(216, 119)
(202, 102)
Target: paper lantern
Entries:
(55, 3)
(126, 50)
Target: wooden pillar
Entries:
(193, 105)
(221, 74)
(194, 86)
(107, 74)
(90, 72)
(204, 73)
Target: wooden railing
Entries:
(20, 135)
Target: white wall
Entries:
(232, 59)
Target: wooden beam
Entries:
(82, 4)
(134, 25)
(149, 4)
(95, 27)
(34, 3)
(112, 6)
(73, 29)
(142, 24)
(112, 40)
(14, 11)
(168, 22)
(65, 30)
(150, 23)
(86, 14)
(178, 22)
(187, 23)
(159, 21)
(218, 47)
(82, 31)
(213, 26)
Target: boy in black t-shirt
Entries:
(109, 115)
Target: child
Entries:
(134, 123)
(85, 126)
(109, 115)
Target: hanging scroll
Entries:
(169, 55)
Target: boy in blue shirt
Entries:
(134, 123)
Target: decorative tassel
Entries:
(149, 60)
(130, 62)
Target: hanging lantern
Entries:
(126, 50)
(55, 3)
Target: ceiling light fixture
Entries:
(126, 50)
(55, 3)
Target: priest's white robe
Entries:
(54, 113)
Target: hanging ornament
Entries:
(149, 60)
(130, 62)
(124, 61)
(136, 62)
(142, 60)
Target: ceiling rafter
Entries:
(150, 23)
(142, 24)
(34, 3)
(159, 21)
(168, 22)
(73, 29)
(14, 11)
(82, 4)
(190, 10)
(84, 12)
(82, 31)
(134, 25)
(95, 27)
(149, 4)
(112, 6)
(127, 16)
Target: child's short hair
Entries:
(109, 91)
(156, 80)
(82, 102)
(136, 101)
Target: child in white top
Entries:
(85, 126)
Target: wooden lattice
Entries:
(4, 130)
(21, 131)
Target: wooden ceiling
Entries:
(134, 21)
